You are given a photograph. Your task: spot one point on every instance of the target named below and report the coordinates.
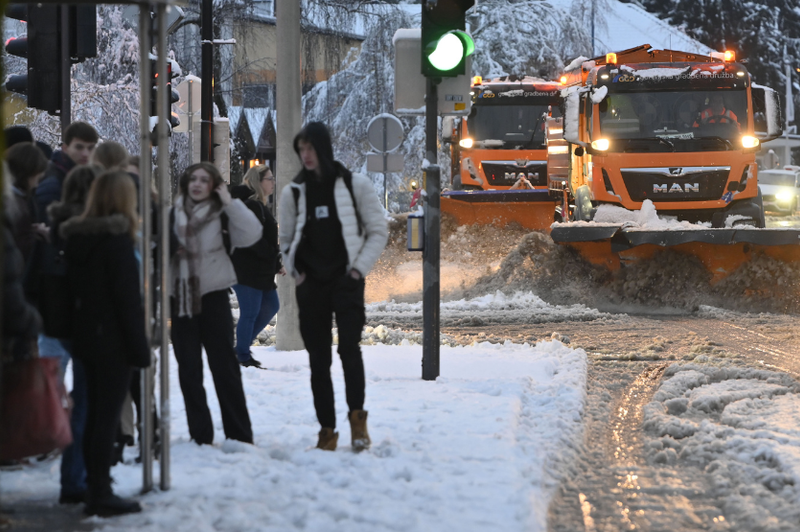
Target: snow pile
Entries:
(740, 426)
(646, 219)
(481, 448)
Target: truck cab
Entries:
(675, 128)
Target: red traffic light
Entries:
(17, 46)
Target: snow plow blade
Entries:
(532, 209)
(721, 251)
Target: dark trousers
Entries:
(107, 381)
(212, 329)
(317, 303)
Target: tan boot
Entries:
(358, 430)
(327, 439)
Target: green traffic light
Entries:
(450, 50)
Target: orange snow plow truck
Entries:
(499, 155)
(656, 149)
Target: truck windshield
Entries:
(710, 120)
(517, 125)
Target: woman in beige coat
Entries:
(205, 225)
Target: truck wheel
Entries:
(583, 204)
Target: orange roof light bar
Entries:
(729, 56)
(563, 80)
(477, 80)
(611, 58)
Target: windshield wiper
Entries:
(659, 139)
(725, 141)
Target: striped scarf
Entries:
(190, 219)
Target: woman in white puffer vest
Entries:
(332, 231)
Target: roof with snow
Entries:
(628, 25)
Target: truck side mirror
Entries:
(572, 117)
(767, 119)
(448, 124)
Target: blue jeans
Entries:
(256, 310)
(73, 466)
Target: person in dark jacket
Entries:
(332, 231)
(21, 321)
(257, 265)
(108, 333)
(73, 468)
(79, 140)
(27, 164)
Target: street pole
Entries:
(287, 165)
(145, 22)
(66, 69)
(430, 255)
(163, 180)
(207, 83)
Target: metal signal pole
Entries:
(430, 254)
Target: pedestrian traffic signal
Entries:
(445, 43)
(42, 48)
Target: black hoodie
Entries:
(321, 253)
(257, 265)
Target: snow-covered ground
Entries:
(741, 427)
(481, 448)
(477, 449)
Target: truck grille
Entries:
(688, 183)
(506, 173)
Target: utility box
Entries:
(410, 84)
(221, 147)
(416, 232)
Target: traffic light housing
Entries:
(445, 43)
(171, 96)
(42, 47)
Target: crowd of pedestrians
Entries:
(72, 238)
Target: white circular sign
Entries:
(385, 133)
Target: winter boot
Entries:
(109, 505)
(358, 430)
(327, 439)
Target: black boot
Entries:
(109, 505)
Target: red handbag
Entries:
(34, 415)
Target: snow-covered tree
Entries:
(759, 32)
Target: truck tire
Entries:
(584, 211)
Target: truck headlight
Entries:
(600, 144)
(749, 142)
(465, 143)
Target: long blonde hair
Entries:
(113, 193)
(253, 181)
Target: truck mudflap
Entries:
(721, 251)
(531, 209)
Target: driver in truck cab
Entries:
(717, 113)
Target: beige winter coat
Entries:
(215, 269)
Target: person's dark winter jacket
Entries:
(49, 189)
(24, 234)
(257, 265)
(21, 321)
(104, 278)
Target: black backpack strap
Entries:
(348, 181)
(226, 234)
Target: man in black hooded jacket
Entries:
(332, 231)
